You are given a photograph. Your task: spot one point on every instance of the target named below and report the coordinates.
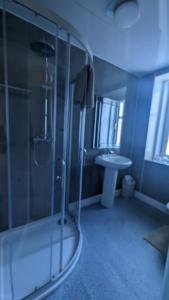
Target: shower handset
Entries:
(45, 50)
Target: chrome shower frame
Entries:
(11, 6)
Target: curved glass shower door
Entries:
(30, 79)
(38, 238)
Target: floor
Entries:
(116, 262)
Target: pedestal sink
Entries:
(112, 163)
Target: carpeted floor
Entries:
(116, 262)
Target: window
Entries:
(157, 146)
(108, 123)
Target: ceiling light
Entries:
(125, 13)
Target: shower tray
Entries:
(31, 245)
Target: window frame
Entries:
(161, 126)
(165, 134)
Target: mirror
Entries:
(108, 122)
(111, 87)
(104, 122)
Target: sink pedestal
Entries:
(112, 163)
(109, 187)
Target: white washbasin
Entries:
(113, 161)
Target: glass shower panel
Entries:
(31, 75)
(70, 64)
(6, 207)
(67, 229)
(77, 63)
(3, 146)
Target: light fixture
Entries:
(125, 12)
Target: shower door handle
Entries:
(84, 150)
(58, 178)
(63, 177)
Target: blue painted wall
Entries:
(152, 178)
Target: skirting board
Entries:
(152, 202)
(142, 197)
(90, 201)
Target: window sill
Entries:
(159, 162)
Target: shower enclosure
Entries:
(41, 149)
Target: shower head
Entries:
(43, 48)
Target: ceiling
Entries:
(140, 49)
